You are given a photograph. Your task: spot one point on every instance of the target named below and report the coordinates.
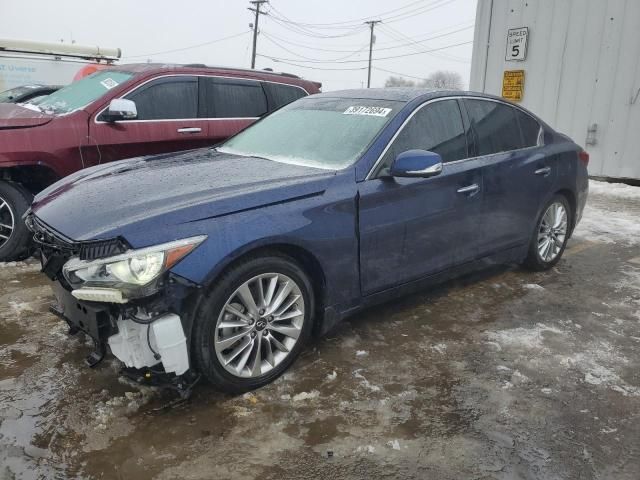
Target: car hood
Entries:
(15, 116)
(109, 200)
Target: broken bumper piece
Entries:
(137, 342)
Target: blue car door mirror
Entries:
(417, 163)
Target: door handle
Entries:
(190, 130)
(543, 171)
(470, 189)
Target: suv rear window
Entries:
(284, 94)
(232, 98)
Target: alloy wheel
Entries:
(7, 222)
(259, 325)
(552, 232)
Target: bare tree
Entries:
(443, 80)
(398, 82)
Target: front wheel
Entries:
(551, 235)
(254, 323)
(15, 241)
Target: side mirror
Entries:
(121, 109)
(417, 163)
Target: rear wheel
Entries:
(551, 235)
(254, 323)
(15, 241)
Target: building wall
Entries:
(582, 68)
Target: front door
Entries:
(167, 122)
(414, 227)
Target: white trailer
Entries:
(27, 63)
(575, 63)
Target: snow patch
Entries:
(366, 449)
(332, 376)
(531, 338)
(618, 190)
(362, 353)
(306, 396)
(395, 444)
(365, 382)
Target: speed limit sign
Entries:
(517, 43)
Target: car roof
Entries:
(196, 68)
(400, 94)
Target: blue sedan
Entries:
(222, 262)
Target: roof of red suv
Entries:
(280, 77)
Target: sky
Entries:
(323, 41)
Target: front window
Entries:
(82, 92)
(329, 133)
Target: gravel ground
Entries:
(501, 375)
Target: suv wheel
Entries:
(15, 242)
(254, 323)
(551, 235)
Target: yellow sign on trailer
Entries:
(513, 85)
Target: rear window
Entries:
(284, 94)
(529, 127)
(496, 126)
(232, 98)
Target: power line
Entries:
(358, 21)
(398, 73)
(187, 48)
(275, 39)
(379, 58)
(286, 62)
(353, 23)
(309, 33)
(467, 25)
(351, 54)
(417, 45)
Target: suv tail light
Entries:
(584, 157)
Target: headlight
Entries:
(130, 271)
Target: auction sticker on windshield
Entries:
(374, 111)
(109, 83)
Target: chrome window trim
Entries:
(196, 75)
(540, 143)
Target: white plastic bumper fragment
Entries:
(167, 338)
(109, 295)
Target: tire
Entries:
(549, 227)
(14, 202)
(258, 331)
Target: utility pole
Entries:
(257, 4)
(371, 23)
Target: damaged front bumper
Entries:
(137, 339)
(148, 333)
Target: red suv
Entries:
(123, 112)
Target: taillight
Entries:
(584, 157)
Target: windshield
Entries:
(329, 133)
(82, 92)
(11, 95)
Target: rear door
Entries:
(517, 175)
(230, 105)
(414, 227)
(167, 121)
